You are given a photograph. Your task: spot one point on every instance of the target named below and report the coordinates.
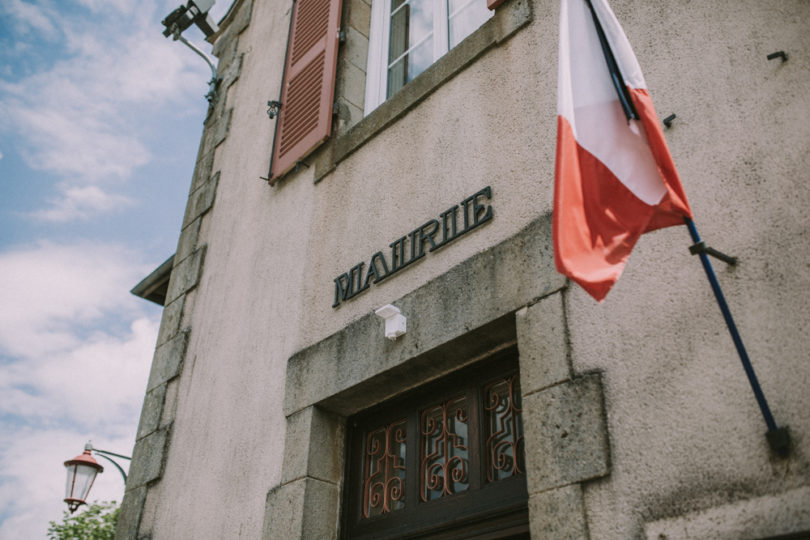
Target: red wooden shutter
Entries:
(308, 90)
(492, 4)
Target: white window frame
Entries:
(379, 36)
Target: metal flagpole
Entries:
(613, 67)
(778, 438)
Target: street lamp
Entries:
(194, 12)
(81, 473)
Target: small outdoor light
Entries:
(81, 473)
(395, 321)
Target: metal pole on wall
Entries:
(778, 438)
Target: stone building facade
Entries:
(637, 419)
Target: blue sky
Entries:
(100, 119)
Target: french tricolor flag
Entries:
(614, 178)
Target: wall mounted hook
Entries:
(668, 120)
(701, 247)
(778, 54)
(273, 108)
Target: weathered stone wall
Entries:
(154, 435)
(663, 436)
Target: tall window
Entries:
(446, 459)
(407, 36)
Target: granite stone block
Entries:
(566, 434)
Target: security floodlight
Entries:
(194, 12)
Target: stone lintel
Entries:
(515, 272)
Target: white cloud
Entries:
(30, 17)
(93, 383)
(76, 141)
(49, 288)
(76, 349)
(81, 203)
(32, 477)
(83, 116)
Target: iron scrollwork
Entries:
(384, 469)
(444, 460)
(504, 443)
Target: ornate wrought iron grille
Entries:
(444, 459)
(384, 469)
(448, 454)
(504, 441)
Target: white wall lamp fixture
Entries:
(395, 321)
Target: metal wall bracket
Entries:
(701, 247)
(273, 108)
(779, 441)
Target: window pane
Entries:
(410, 48)
(444, 459)
(504, 443)
(409, 66)
(465, 17)
(411, 23)
(384, 469)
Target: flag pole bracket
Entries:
(779, 441)
(701, 247)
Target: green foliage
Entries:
(96, 522)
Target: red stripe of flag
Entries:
(614, 179)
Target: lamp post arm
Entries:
(117, 466)
(211, 96)
(128, 458)
(199, 52)
(102, 453)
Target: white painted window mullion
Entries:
(377, 65)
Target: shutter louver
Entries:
(305, 118)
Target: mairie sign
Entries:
(427, 238)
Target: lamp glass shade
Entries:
(81, 472)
